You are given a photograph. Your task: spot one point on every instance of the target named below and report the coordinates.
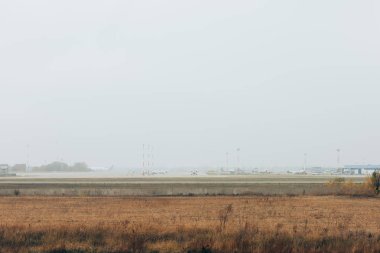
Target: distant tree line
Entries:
(62, 167)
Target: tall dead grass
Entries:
(194, 224)
(248, 238)
(341, 186)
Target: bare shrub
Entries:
(341, 186)
(16, 192)
(224, 215)
(375, 181)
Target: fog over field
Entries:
(93, 81)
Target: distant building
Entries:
(4, 169)
(19, 168)
(360, 169)
(316, 170)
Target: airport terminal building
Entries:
(360, 169)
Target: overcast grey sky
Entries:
(94, 80)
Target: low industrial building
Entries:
(19, 168)
(4, 169)
(360, 169)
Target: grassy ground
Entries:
(189, 224)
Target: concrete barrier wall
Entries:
(171, 189)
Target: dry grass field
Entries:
(189, 224)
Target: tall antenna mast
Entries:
(152, 157)
(143, 160)
(238, 158)
(27, 158)
(148, 157)
(226, 160)
(305, 161)
(338, 159)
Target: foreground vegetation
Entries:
(189, 224)
(369, 187)
(136, 239)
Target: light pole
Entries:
(238, 158)
(27, 157)
(304, 161)
(143, 160)
(227, 161)
(338, 160)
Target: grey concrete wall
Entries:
(166, 189)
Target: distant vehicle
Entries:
(212, 173)
(99, 168)
(298, 172)
(227, 171)
(159, 172)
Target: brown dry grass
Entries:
(341, 186)
(189, 224)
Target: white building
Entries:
(4, 169)
(360, 169)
